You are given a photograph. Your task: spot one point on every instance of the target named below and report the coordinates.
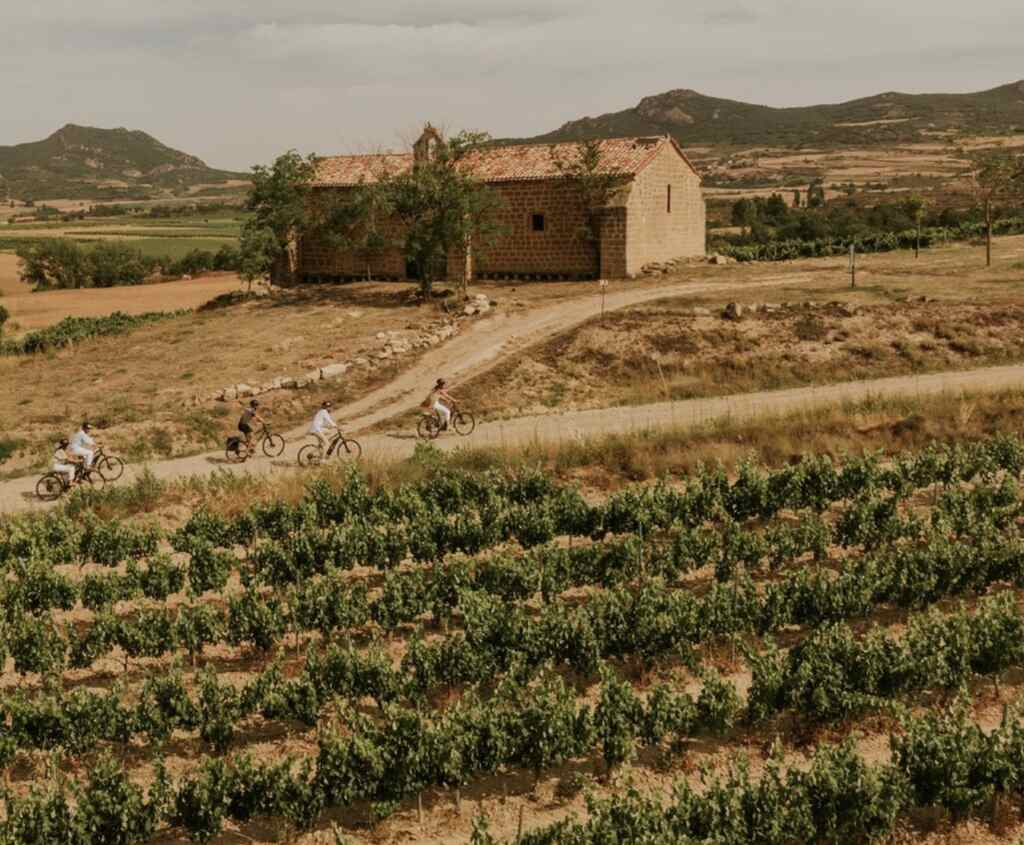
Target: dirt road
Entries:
(17, 494)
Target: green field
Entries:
(173, 237)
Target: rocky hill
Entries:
(81, 162)
(694, 118)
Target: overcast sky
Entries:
(237, 82)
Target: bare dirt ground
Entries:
(31, 310)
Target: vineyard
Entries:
(790, 250)
(472, 628)
(72, 330)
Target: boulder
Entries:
(361, 362)
(400, 347)
(382, 336)
(769, 307)
(721, 259)
(469, 310)
(733, 311)
(301, 382)
(243, 390)
(312, 375)
(229, 394)
(383, 355)
(288, 382)
(334, 370)
(700, 312)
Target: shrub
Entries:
(114, 263)
(53, 263)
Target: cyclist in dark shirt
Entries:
(245, 421)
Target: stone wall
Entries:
(559, 249)
(655, 233)
(320, 261)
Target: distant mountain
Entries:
(80, 162)
(694, 118)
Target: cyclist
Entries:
(249, 414)
(62, 462)
(322, 420)
(441, 402)
(81, 445)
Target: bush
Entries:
(115, 263)
(54, 263)
(74, 329)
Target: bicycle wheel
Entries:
(273, 445)
(50, 487)
(309, 455)
(348, 450)
(236, 451)
(93, 478)
(110, 467)
(463, 422)
(428, 427)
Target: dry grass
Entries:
(662, 352)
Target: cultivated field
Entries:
(446, 649)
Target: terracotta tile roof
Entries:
(625, 156)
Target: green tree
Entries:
(279, 202)
(441, 207)
(816, 194)
(915, 207)
(115, 263)
(997, 175)
(53, 263)
(259, 250)
(597, 187)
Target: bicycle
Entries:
(238, 449)
(110, 467)
(312, 454)
(53, 485)
(430, 425)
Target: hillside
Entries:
(694, 118)
(81, 162)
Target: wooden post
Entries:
(519, 826)
(853, 265)
(988, 233)
(603, 283)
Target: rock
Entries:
(769, 307)
(312, 375)
(700, 312)
(301, 382)
(445, 332)
(288, 382)
(483, 307)
(469, 310)
(229, 394)
(481, 297)
(848, 310)
(721, 259)
(334, 370)
(381, 336)
(361, 362)
(383, 355)
(243, 390)
(400, 347)
(733, 311)
(433, 339)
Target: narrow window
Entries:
(537, 222)
(668, 200)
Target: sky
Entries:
(237, 83)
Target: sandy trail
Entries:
(488, 341)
